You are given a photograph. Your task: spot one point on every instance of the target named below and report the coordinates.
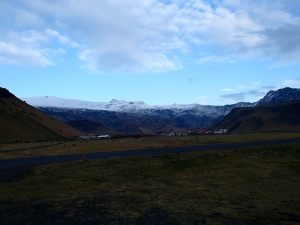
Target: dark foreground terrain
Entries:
(252, 185)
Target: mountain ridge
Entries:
(280, 95)
(113, 105)
(136, 116)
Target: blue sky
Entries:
(160, 52)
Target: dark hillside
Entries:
(22, 122)
(90, 127)
(4, 93)
(113, 122)
(276, 117)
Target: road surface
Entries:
(42, 160)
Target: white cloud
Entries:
(12, 54)
(227, 90)
(151, 35)
(255, 84)
(255, 30)
(253, 92)
(295, 83)
(115, 61)
(202, 100)
(233, 98)
(30, 48)
(23, 48)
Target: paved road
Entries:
(35, 161)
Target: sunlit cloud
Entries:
(149, 36)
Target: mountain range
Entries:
(136, 117)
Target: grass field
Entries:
(257, 185)
(74, 147)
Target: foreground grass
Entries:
(236, 186)
(75, 147)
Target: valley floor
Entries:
(247, 185)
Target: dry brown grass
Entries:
(257, 185)
(76, 147)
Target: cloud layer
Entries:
(150, 35)
(255, 91)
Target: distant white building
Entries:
(224, 130)
(221, 131)
(103, 136)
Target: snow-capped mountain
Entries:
(281, 95)
(133, 117)
(139, 117)
(138, 107)
(113, 105)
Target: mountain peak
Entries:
(115, 101)
(281, 95)
(137, 102)
(4, 93)
(126, 102)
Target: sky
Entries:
(162, 52)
